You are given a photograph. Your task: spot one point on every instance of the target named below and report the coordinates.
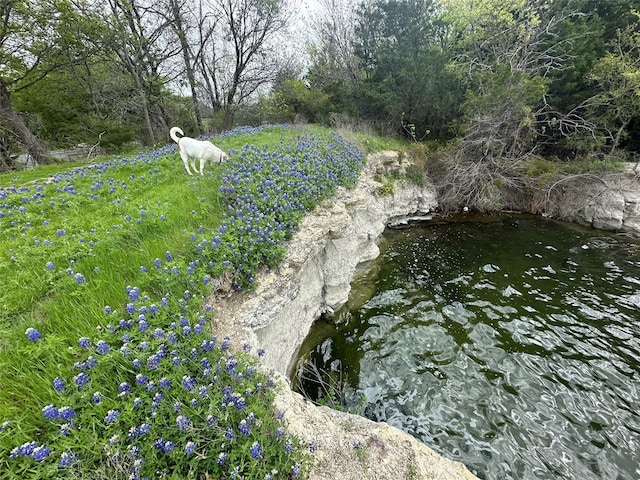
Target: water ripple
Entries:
(520, 359)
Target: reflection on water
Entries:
(510, 345)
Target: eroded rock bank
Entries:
(331, 245)
(609, 202)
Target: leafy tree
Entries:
(405, 85)
(617, 78)
(504, 61)
(334, 69)
(32, 44)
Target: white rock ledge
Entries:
(332, 243)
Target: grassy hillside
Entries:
(107, 366)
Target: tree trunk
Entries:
(36, 150)
(188, 62)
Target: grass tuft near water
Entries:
(108, 366)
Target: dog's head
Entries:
(223, 157)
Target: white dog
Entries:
(191, 150)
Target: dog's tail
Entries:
(173, 134)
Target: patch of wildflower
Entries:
(154, 362)
(269, 192)
(168, 403)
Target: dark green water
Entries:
(511, 345)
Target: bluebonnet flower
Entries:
(58, 384)
(108, 310)
(97, 398)
(189, 448)
(153, 361)
(50, 412)
(67, 459)
(183, 422)
(133, 293)
(50, 266)
(188, 382)
(288, 447)
(144, 428)
(141, 379)
(66, 413)
(81, 379)
(222, 456)
(84, 342)
(244, 427)
(168, 256)
(65, 429)
(33, 334)
(168, 446)
(229, 435)
(102, 347)
(79, 278)
(255, 450)
(123, 389)
(112, 416)
(131, 308)
(40, 453)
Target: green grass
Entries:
(87, 248)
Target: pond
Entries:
(510, 344)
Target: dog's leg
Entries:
(185, 159)
(202, 166)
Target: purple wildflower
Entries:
(33, 334)
(102, 347)
(112, 416)
(81, 379)
(66, 413)
(255, 450)
(67, 459)
(50, 412)
(189, 448)
(183, 422)
(244, 427)
(58, 384)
